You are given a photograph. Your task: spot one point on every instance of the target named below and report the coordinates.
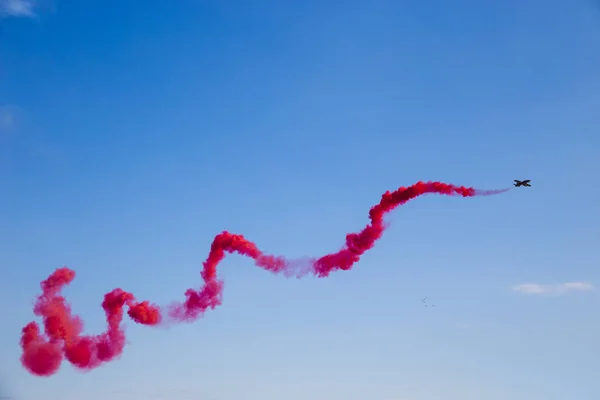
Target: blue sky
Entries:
(132, 132)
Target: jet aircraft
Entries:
(523, 183)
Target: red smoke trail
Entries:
(43, 353)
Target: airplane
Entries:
(425, 302)
(523, 183)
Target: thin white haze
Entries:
(553, 289)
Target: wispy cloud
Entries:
(19, 130)
(10, 118)
(553, 289)
(7, 119)
(17, 8)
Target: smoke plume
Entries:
(62, 336)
